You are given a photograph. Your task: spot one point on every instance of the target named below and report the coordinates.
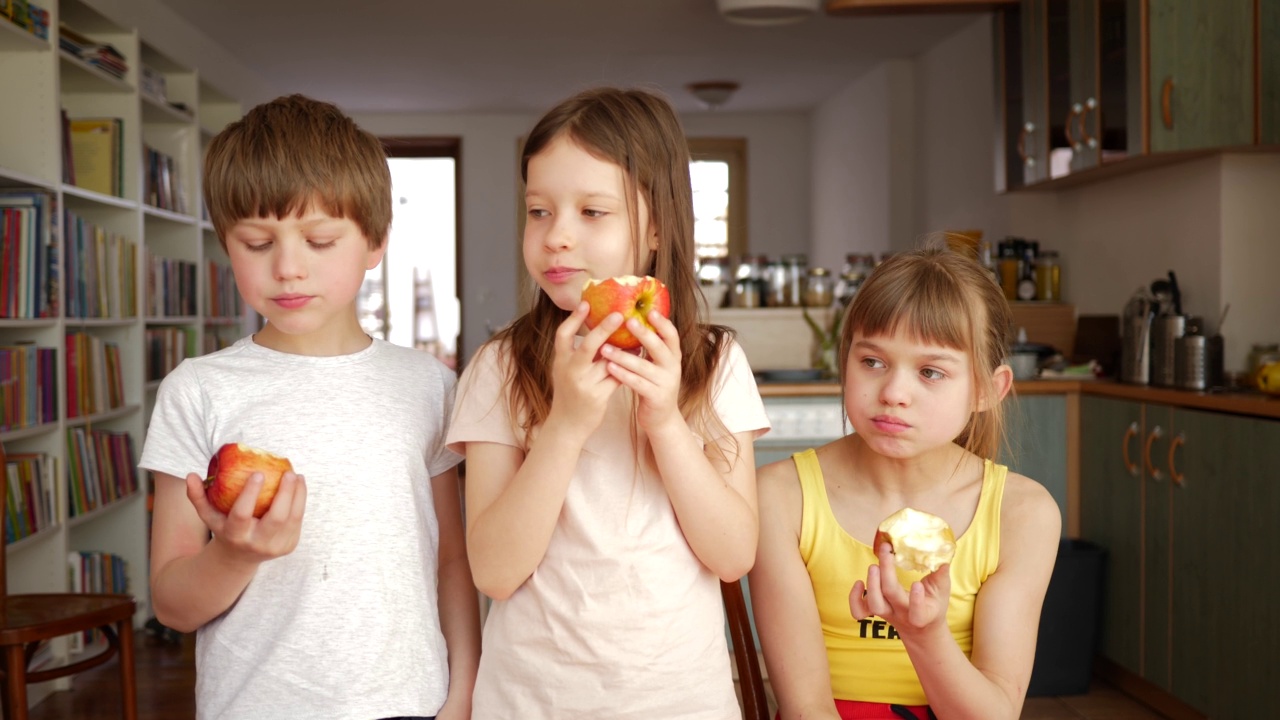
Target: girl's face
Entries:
(906, 397)
(577, 226)
(303, 274)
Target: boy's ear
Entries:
(1001, 384)
(375, 256)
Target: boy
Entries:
(352, 596)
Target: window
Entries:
(717, 169)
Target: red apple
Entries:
(230, 468)
(630, 295)
(921, 542)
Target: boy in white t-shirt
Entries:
(351, 598)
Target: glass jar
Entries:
(776, 293)
(797, 267)
(1048, 277)
(1010, 266)
(748, 282)
(856, 269)
(819, 291)
(1259, 355)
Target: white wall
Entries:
(1250, 252)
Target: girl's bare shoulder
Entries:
(1028, 507)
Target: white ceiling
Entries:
(477, 56)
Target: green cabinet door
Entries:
(1033, 137)
(1268, 39)
(1111, 516)
(1157, 509)
(1037, 430)
(1226, 556)
(1201, 77)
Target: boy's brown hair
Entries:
(290, 154)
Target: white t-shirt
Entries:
(620, 620)
(346, 626)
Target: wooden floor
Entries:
(166, 678)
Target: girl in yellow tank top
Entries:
(847, 634)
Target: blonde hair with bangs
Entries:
(940, 296)
(294, 154)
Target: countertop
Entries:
(1238, 403)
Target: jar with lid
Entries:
(797, 267)
(856, 268)
(1010, 265)
(748, 282)
(818, 288)
(1259, 355)
(775, 292)
(1048, 277)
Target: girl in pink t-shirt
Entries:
(607, 492)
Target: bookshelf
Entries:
(117, 252)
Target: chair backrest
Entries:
(755, 705)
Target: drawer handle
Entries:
(1130, 433)
(1153, 471)
(1166, 103)
(1077, 111)
(1177, 477)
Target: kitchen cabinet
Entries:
(1037, 433)
(1081, 84)
(1184, 502)
(1068, 86)
(1201, 80)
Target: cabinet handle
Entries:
(1130, 433)
(1166, 103)
(1027, 129)
(1178, 478)
(1090, 105)
(1077, 112)
(1152, 470)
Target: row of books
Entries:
(100, 468)
(28, 254)
(95, 382)
(166, 347)
(103, 56)
(92, 153)
(171, 287)
(27, 15)
(162, 184)
(31, 496)
(100, 271)
(224, 299)
(95, 572)
(28, 386)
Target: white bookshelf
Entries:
(40, 80)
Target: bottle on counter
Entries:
(797, 268)
(1048, 277)
(1010, 265)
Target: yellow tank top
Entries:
(867, 659)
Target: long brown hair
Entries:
(639, 132)
(940, 296)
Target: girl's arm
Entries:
(514, 498)
(782, 601)
(993, 682)
(458, 605)
(712, 489)
(194, 578)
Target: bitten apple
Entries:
(921, 542)
(630, 295)
(230, 468)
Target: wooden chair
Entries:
(26, 620)
(755, 705)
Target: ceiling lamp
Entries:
(768, 12)
(713, 93)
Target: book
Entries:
(95, 150)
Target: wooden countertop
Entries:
(1238, 403)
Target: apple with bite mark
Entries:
(230, 468)
(921, 542)
(630, 295)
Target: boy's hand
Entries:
(245, 537)
(654, 378)
(581, 383)
(883, 596)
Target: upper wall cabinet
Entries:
(1083, 84)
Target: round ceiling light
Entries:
(767, 12)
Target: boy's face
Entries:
(303, 273)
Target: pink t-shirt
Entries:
(620, 619)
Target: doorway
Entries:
(411, 298)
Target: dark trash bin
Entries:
(1070, 621)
